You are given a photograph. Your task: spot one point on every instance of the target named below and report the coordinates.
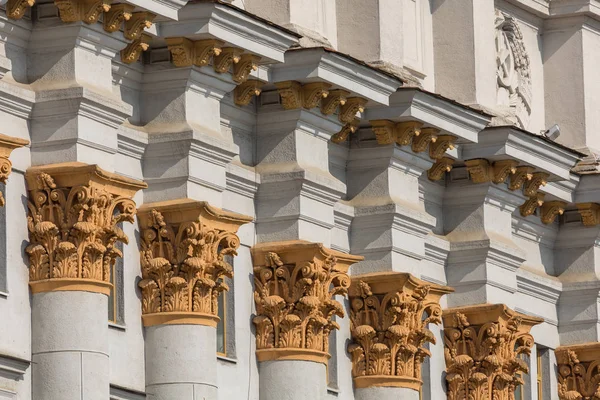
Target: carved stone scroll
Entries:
(522, 175)
(439, 169)
(578, 371)
(7, 145)
(185, 53)
(74, 213)
(352, 106)
(243, 94)
(295, 95)
(134, 26)
(226, 58)
(134, 50)
(590, 213)
(389, 318)
(335, 98)
(481, 170)
(421, 142)
(242, 69)
(441, 145)
(88, 11)
(295, 287)
(402, 133)
(183, 248)
(15, 9)
(552, 209)
(531, 187)
(115, 17)
(531, 204)
(346, 131)
(484, 347)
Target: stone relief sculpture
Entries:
(513, 72)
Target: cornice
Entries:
(434, 110)
(121, 393)
(545, 289)
(13, 367)
(206, 20)
(318, 64)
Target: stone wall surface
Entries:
(351, 199)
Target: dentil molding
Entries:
(483, 347)
(389, 318)
(183, 249)
(74, 213)
(295, 285)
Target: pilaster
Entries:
(295, 285)
(7, 145)
(577, 367)
(484, 347)
(185, 245)
(390, 315)
(74, 212)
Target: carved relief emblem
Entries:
(513, 70)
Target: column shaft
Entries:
(292, 380)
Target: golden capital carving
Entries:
(531, 186)
(15, 9)
(426, 136)
(531, 204)
(242, 69)
(134, 50)
(335, 98)
(115, 17)
(183, 248)
(7, 145)
(441, 145)
(295, 95)
(243, 93)
(185, 52)
(552, 209)
(295, 283)
(226, 58)
(483, 347)
(352, 106)
(590, 213)
(74, 212)
(88, 11)
(346, 131)
(439, 168)
(389, 318)
(578, 371)
(134, 26)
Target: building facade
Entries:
(299, 199)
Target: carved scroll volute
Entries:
(389, 319)
(184, 245)
(295, 284)
(590, 213)
(7, 145)
(74, 214)
(15, 9)
(88, 11)
(484, 347)
(578, 371)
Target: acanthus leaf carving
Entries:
(115, 17)
(504, 169)
(15, 9)
(226, 58)
(185, 52)
(421, 142)
(441, 145)
(7, 145)
(184, 252)
(389, 318)
(243, 93)
(522, 175)
(531, 204)
(134, 26)
(480, 170)
(295, 287)
(314, 93)
(351, 107)
(134, 50)
(335, 98)
(551, 209)
(74, 216)
(290, 93)
(346, 131)
(88, 11)
(439, 168)
(405, 132)
(590, 213)
(243, 68)
(384, 131)
(484, 347)
(538, 179)
(578, 369)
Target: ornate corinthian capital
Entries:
(484, 345)
(7, 145)
(295, 285)
(74, 213)
(183, 249)
(389, 318)
(578, 371)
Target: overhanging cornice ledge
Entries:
(237, 28)
(499, 142)
(434, 110)
(341, 71)
(165, 8)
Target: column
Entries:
(390, 314)
(485, 347)
(295, 285)
(74, 212)
(577, 367)
(184, 248)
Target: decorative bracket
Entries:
(590, 213)
(88, 11)
(242, 94)
(7, 145)
(15, 9)
(185, 53)
(552, 209)
(134, 50)
(115, 17)
(134, 26)
(439, 169)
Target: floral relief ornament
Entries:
(73, 231)
(295, 303)
(579, 372)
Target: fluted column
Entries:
(578, 371)
(485, 347)
(184, 245)
(295, 285)
(390, 313)
(74, 210)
